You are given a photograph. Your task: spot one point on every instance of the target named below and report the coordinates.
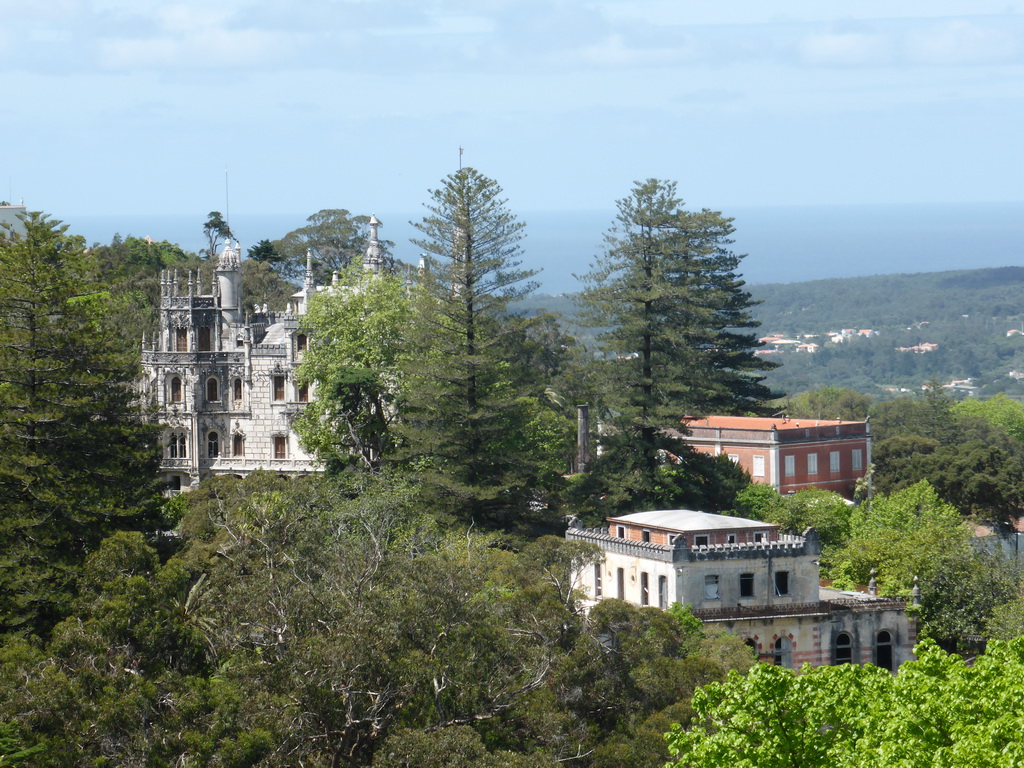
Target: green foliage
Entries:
(1000, 411)
(938, 711)
(829, 403)
(78, 462)
(675, 311)
(266, 252)
(477, 446)
(215, 229)
(333, 237)
(358, 332)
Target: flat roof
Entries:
(761, 422)
(684, 520)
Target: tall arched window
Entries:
(300, 342)
(213, 445)
(175, 390)
(182, 447)
(844, 649)
(238, 392)
(782, 652)
(172, 447)
(212, 390)
(883, 650)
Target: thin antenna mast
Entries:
(461, 150)
(227, 201)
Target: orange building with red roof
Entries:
(788, 454)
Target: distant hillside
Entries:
(966, 314)
(890, 300)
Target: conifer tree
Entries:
(77, 461)
(464, 424)
(668, 291)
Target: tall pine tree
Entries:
(77, 461)
(678, 342)
(465, 421)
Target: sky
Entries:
(144, 107)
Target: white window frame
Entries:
(833, 461)
(858, 459)
(790, 468)
(812, 463)
(758, 467)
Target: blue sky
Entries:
(137, 107)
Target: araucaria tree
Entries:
(462, 424)
(678, 317)
(77, 462)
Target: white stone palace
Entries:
(222, 379)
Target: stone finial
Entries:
(916, 593)
(872, 585)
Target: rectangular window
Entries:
(812, 463)
(758, 466)
(758, 538)
(204, 340)
(238, 446)
(731, 538)
(620, 583)
(597, 580)
(711, 587)
(734, 458)
(620, 531)
(280, 447)
(858, 459)
(645, 536)
(746, 585)
(181, 339)
(663, 592)
(278, 388)
(700, 541)
(833, 461)
(645, 589)
(781, 583)
(304, 393)
(790, 466)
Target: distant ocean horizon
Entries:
(784, 244)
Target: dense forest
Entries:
(415, 604)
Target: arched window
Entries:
(238, 445)
(883, 650)
(843, 650)
(175, 390)
(182, 451)
(212, 390)
(663, 592)
(213, 445)
(782, 652)
(238, 391)
(300, 342)
(172, 447)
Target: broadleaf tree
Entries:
(357, 334)
(678, 319)
(78, 461)
(333, 237)
(463, 426)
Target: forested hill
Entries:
(965, 319)
(883, 301)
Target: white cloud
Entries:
(846, 49)
(960, 41)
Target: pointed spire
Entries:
(309, 284)
(373, 261)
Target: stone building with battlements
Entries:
(221, 376)
(746, 577)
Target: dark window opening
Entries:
(181, 339)
(781, 583)
(280, 447)
(844, 649)
(645, 589)
(278, 388)
(663, 592)
(213, 445)
(645, 535)
(204, 340)
(620, 583)
(304, 393)
(746, 585)
(238, 445)
(781, 652)
(300, 342)
(175, 390)
(700, 541)
(597, 581)
(212, 391)
(883, 650)
(238, 391)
